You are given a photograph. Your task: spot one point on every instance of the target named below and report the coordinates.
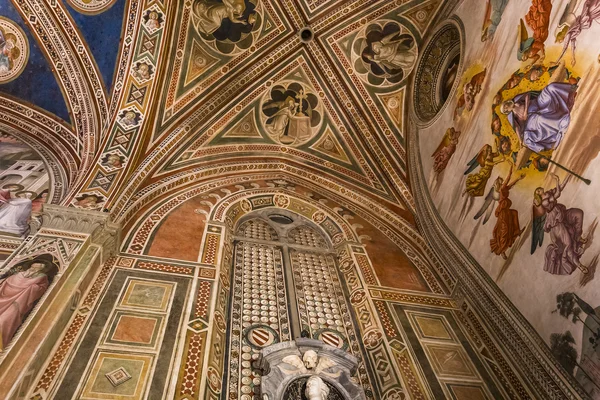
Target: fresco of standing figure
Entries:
(507, 228)
(538, 18)
(565, 226)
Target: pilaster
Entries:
(78, 242)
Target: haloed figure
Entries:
(393, 52)
(541, 119)
(18, 294)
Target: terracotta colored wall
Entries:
(180, 234)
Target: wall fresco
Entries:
(514, 171)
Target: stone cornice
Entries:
(98, 225)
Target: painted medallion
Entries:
(14, 50)
(91, 7)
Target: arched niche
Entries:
(223, 246)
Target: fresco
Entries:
(24, 186)
(512, 163)
(23, 285)
(29, 74)
(14, 50)
(100, 23)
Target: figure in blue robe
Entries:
(493, 16)
(541, 119)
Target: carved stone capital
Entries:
(98, 225)
(73, 219)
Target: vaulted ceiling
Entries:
(136, 98)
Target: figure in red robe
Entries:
(19, 292)
(507, 228)
(538, 19)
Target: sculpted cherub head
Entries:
(310, 359)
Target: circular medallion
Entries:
(259, 336)
(14, 50)
(228, 26)
(332, 338)
(292, 113)
(358, 296)
(281, 201)
(214, 380)
(245, 206)
(319, 217)
(91, 7)
(384, 53)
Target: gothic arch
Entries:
(228, 202)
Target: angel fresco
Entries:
(113, 160)
(142, 71)
(567, 19)
(565, 226)
(391, 53)
(470, 92)
(538, 19)
(571, 27)
(486, 159)
(493, 16)
(153, 19)
(228, 21)
(20, 289)
(89, 201)
(130, 118)
(491, 199)
(540, 119)
(387, 52)
(507, 228)
(445, 150)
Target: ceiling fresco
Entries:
(26, 73)
(195, 81)
(511, 163)
(170, 139)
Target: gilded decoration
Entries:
(259, 199)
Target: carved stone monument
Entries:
(308, 369)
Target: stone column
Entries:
(79, 242)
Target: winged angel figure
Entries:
(571, 26)
(538, 19)
(565, 226)
(489, 205)
(309, 363)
